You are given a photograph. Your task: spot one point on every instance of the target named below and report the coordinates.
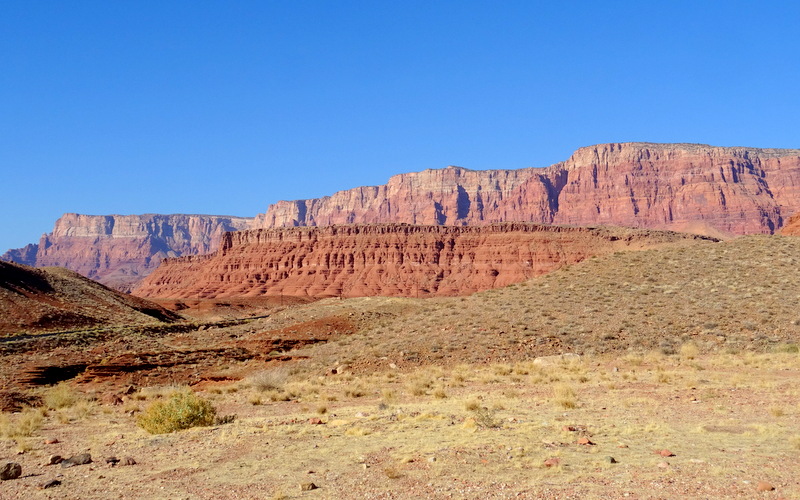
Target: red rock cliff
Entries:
(118, 250)
(685, 187)
(390, 259)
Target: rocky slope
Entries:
(684, 187)
(118, 250)
(388, 259)
(56, 298)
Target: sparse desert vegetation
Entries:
(684, 387)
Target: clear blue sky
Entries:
(223, 107)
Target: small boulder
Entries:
(665, 453)
(55, 459)
(127, 461)
(80, 459)
(11, 470)
(552, 462)
(112, 461)
(51, 441)
(308, 486)
(585, 441)
(111, 400)
(764, 486)
(611, 460)
(49, 484)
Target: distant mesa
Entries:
(706, 189)
(119, 250)
(715, 191)
(56, 299)
(389, 259)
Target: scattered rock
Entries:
(111, 400)
(611, 460)
(552, 462)
(112, 461)
(665, 453)
(764, 486)
(11, 470)
(308, 486)
(80, 459)
(51, 441)
(585, 441)
(127, 461)
(49, 484)
(55, 460)
(129, 390)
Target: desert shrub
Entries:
(788, 348)
(269, 380)
(690, 350)
(23, 424)
(59, 396)
(484, 417)
(564, 396)
(181, 411)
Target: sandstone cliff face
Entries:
(389, 260)
(118, 250)
(705, 189)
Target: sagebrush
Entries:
(182, 410)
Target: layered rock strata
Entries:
(682, 187)
(118, 250)
(388, 260)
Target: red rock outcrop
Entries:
(388, 259)
(698, 188)
(792, 227)
(55, 298)
(118, 250)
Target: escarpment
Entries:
(682, 187)
(389, 259)
(714, 191)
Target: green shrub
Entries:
(181, 411)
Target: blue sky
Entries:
(225, 107)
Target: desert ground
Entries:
(667, 373)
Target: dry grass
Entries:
(24, 424)
(60, 396)
(564, 396)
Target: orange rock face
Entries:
(792, 227)
(683, 187)
(387, 259)
(117, 250)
